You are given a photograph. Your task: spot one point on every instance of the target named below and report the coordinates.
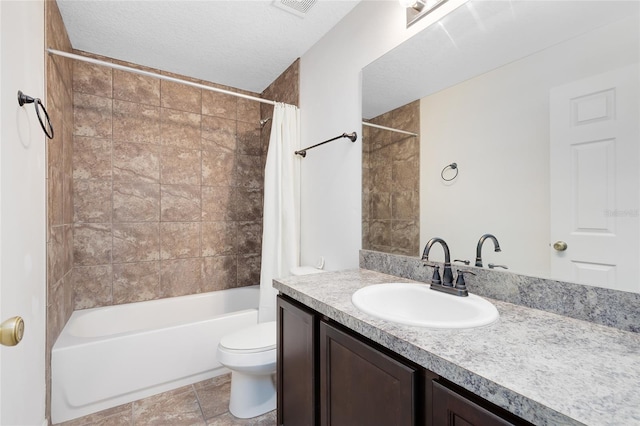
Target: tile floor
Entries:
(203, 404)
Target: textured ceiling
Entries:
(242, 44)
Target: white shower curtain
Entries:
(281, 218)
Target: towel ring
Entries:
(37, 103)
(452, 166)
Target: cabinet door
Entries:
(452, 409)
(296, 365)
(360, 385)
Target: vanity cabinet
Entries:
(297, 373)
(360, 385)
(456, 407)
(331, 376)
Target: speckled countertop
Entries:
(546, 368)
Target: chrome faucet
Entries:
(448, 275)
(481, 241)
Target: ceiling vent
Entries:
(297, 7)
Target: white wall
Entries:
(496, 128)
(22, 212)
(330, 102)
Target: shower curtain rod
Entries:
(377, 126)
(160, 76)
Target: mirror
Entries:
(527, 98)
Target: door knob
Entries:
(11, 331)
(560, 246)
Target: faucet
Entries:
(448, 275)
(446, 285)
(481, 241)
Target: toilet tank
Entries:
(305, 270)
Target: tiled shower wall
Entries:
(391, 183)
(285, 88)
(167, 188)
(59, 181)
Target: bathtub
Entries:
(109, 356)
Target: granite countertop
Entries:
(546, 368)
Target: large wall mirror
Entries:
(538, 105)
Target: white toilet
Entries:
(250, 354)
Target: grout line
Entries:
(195, 391)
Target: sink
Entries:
(416, 304)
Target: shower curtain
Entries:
(281, 218)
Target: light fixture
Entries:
(415, 4)
(417, 9)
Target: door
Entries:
(595, 180)
(359, 385)
(22, 212)
(297, 386)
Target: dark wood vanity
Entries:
(330, 375)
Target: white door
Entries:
(22, 212)
(595, 180)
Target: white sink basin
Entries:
(416, 304)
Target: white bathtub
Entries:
(109, 356)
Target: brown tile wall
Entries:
(167, 183)
(286, 88)
(59, 104)
(167, 186)
(391, 183)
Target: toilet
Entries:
(250, 354)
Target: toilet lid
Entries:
(257, 338)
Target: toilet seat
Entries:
(258, 338)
